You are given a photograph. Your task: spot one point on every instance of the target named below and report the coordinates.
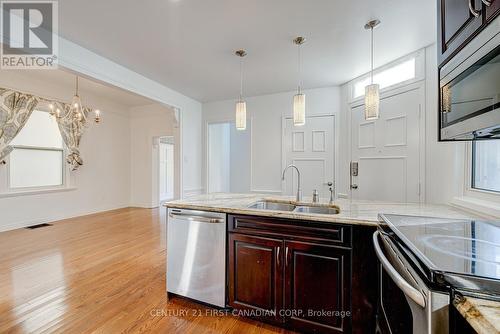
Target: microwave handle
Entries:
(407, 289)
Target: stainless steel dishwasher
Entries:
(196, 255)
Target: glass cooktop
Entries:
(469, 248)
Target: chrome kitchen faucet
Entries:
(299, 190)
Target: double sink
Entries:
(290, 207)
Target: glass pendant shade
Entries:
(372, 101)
(241, 115)
(299, 109)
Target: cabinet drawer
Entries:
(329, 233)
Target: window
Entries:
(486, 165)
(37, 159)
(396, 74)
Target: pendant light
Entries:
(372, 96)
(76, 110)
(241, 106)
(299, 99)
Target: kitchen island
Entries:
(305, 271)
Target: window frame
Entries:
(419, 57)
(67, 183)
(469, 190)
(472, 167)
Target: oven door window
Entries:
(473, 92)
(394, 306)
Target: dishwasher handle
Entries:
(194, 218)
(407, 289)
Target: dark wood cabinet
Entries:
(457, 25)
(314, 277)
(492, 10)
(459, 21)
(317, 287)
(256, 275)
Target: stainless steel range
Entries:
(424, 260)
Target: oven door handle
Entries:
(407, 289)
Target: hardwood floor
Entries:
(101, 273)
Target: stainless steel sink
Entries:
(268, 205)
(323, 210)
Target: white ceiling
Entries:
(188, 45)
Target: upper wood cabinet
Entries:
(459, 21)
(492, 9)
(457, 24)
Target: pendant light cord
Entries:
(241, 79)
(77, 85)
(299, 68)
(371, 75)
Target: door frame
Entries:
(414, 86)
(159, 172)
(335, 148)
(207, 150)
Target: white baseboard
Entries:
(57, 217)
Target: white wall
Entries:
(78, 59)
(103, 183)
(265, 114)
(240, 159)
(443, 161)
(219, 176)
(147, 124)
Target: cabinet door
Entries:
(256, 276)
(317, 287)
(456, 25)
(492, 10)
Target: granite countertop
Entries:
(351, 212)
(482, 314)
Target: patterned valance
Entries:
(15, 110)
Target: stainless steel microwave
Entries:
(469, 89)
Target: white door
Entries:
(311, 148)
(387, 150)
(166, 171)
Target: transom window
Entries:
(396, 74)
(37, 159)
(486, 165)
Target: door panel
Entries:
(256, 275)
(456, 25)
(388, 150)
(316, 286)
(311, 148)
(493, 10)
